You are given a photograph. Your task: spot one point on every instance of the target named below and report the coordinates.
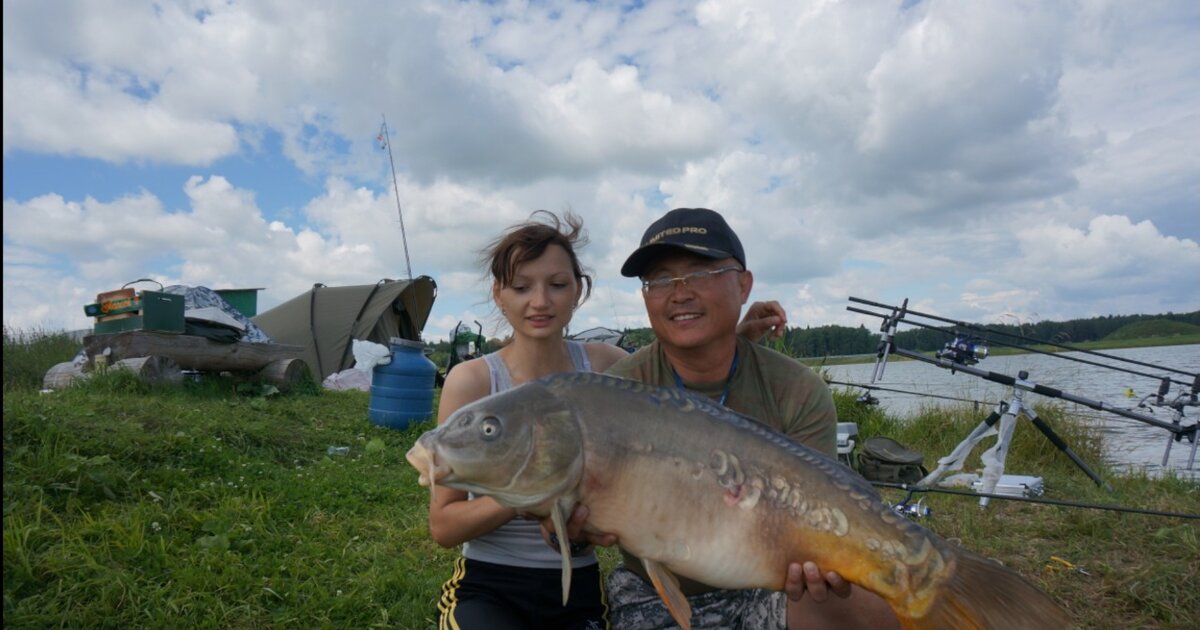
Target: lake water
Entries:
(1130, 444)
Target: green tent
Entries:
(325, 319)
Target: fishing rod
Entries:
(1028, 339)
(1027, 348)
(910, 322)
(965, 349)
(911, 489)
(1018, 382)
(902, 391)
(385, 139)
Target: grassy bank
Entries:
(199, 506)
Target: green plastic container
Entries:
(160, 312)
(244, 300)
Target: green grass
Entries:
(1138, 566)
(199, 506)
(27, 356)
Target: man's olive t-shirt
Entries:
(767, 385)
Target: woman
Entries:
(508, 576)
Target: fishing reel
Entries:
(867, 399)
(913, 511)
(964, 350)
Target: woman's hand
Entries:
(763, 319)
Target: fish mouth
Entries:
(425, 461)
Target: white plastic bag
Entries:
(368, 354)
(348, 379)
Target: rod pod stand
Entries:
(1183, 399)
(1006, 414)
(1012, 410)
(888, 328)
(1178, 421)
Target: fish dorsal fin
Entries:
(667, 586)
(560, 528)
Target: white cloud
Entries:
(77, 113)
(1112, 258)
(947, 152)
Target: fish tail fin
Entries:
(984, 594)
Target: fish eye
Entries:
(490, 427)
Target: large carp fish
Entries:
(699, 491)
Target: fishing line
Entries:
(901, 391)
(1091, 506)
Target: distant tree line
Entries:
(833, 340)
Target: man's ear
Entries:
(745, 283)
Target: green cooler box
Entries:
(154, 311)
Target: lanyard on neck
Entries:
(728, 379)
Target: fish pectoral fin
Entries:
(432, 482)
(560, 528)
(667, 586)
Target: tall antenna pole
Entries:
(387, 141)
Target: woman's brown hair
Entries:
(527, 241)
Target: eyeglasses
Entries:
(659, 287)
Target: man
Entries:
(694, 283)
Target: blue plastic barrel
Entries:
(402, 390)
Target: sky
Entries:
(990, 161)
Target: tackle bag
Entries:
(884, 459)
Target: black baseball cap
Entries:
(698, 231)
